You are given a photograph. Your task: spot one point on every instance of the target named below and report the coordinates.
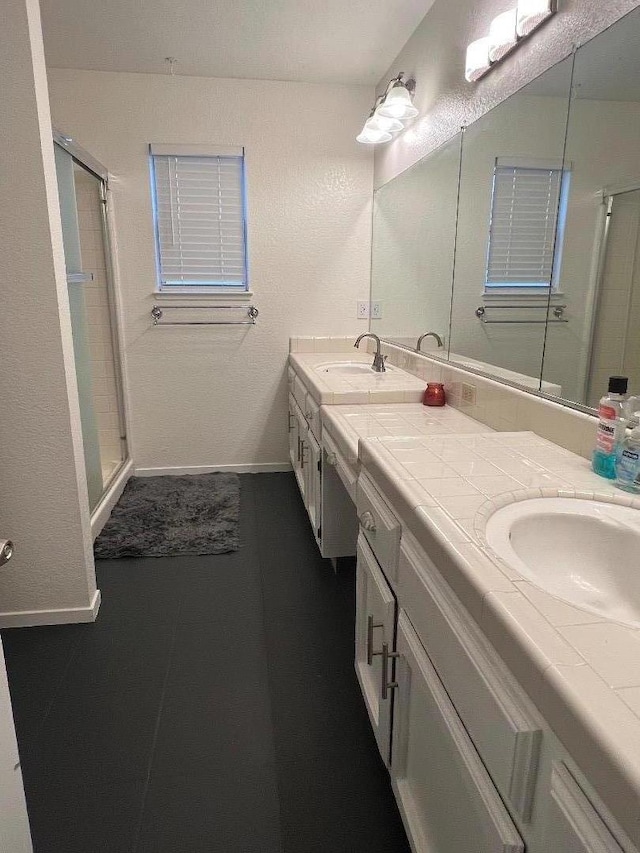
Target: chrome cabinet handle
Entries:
(291, 421)
(367, 521)
(303, 447)
(387, 685)
(370, 626)
(308, 415)
(6, 551)
(332, 459)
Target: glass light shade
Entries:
(532, 13)
(378, 122)
(502, 35)
(397, 104)
(478, 62)
(368, 136)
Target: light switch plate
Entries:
(362, 312)
(376, 310)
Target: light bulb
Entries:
(478, 62)
(397, 104)
(532, 13)
(368, 136)
(502, 35)
(378, 122)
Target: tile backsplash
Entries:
(492, 403)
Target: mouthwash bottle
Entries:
(610, 427)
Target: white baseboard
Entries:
(66, 616)
(258, 468)
(102, 512)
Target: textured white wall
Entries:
(43, 492)
(216, 395)
(435, 56)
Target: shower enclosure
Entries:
(82, 188)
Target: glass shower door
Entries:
(92, 320)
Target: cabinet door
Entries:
(447, 799)
(375, 620)
(313, 483)
(573, 825)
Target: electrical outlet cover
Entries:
(376, 310)
(468, 394)
(362, 310)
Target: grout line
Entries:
(156, 730)
(54, 696)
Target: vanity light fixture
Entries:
(389, 112)
(502, 35)
(507, 30)
(532, 13)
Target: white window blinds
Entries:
(200, 219)
(524, 219)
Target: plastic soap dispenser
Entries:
(610, 427)
(628, 453)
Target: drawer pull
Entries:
(387, 685)
(308, 415)
(332, 459)
(370, 626)
(367, 521)
(291, 421)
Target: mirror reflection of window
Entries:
(528, 208)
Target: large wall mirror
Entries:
(599, 265)
(414, 228)
(511, 198)
(546, 272)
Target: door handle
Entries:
(387, 685)
(370, 626)
(367, 521)
(6, 551)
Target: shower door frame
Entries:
(88, 162)
(607, 196)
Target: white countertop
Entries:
(348, 424)
(582, 670)
(393, 386)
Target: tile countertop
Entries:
(581, 670)
(347, 424)
(393, 386)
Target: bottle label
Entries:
(628, 466)
(607, 429)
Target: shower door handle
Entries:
(6, 551)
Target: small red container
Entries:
(434, 394)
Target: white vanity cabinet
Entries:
(446, 797)
(474, 766)
(329, 506)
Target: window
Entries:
(200, 221)
(526, 229)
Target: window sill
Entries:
(202, 296)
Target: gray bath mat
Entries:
(169, 516)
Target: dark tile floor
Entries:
(212, 707)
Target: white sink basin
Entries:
(348, 368)
(584, 552)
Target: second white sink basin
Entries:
(584, 552)
(347, 368)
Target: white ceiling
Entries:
(316, 41)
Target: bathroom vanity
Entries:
(509, 719)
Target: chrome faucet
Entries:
(430, 335)
(378, 358)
